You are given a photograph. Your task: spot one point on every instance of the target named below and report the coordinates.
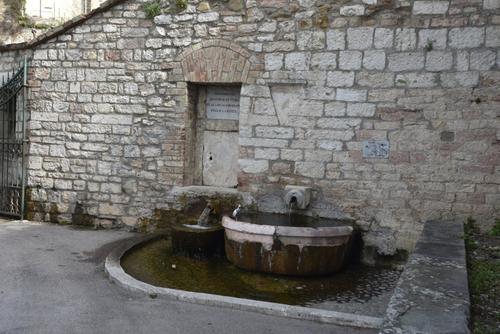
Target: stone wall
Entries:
(109, 101)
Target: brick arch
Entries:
(218, 61)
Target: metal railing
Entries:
(13, 141)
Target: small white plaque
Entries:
(376, 149)
(223, 103)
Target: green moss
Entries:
(495, 231)
(484, 277)
(155, 263)
(16, 6)
(53, 213)
(143, 225)
(224, 204)
(81, 218)
(26, 22)
(429, 46)
(181, 4)
(183, 200)
(321, 19)
(152, 9)
(483, 272)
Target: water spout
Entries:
(203, 219)
(236, 212)
(298, 197)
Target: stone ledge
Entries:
(432, 295)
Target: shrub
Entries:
(152, 9)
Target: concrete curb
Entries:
(116, 274)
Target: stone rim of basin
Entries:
(289, 231)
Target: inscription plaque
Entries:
(223, 103)
(376, 149)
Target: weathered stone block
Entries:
(334, 109)
(293, 155)
(462, 61)
(264, 106)
(297, 61)
(460, 79)
(463, 38)
(491, 4)
(338, 124)
(310, 169)
(354, 10)
(417, 80)
(267, 153)
(430, 7)
(432, 39)
(112, 119)
(354, 95)
(318, 93)
(350, 60)
(374, 60)
(109, 209)
(406, 39)
(493, 36)
(311, 40)
(361, 109)
(335, 39)
(438, 61)
(255, 91)
(324, 61)
(57, 151)
(383, 38)
(359, 38)
(318, 155)
(406, 61)
(274, 132)
(330, 145)
(482, 60)
(208, 17)
(273, 61)
(340, 79)
(375, 80)
(253, 166)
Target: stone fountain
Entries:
(293, 245)
(200, 240)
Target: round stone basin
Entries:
(287, 250)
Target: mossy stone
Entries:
(235, 5)
(203, 6)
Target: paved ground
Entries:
(52, 281)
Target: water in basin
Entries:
(294, 220)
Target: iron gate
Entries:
(12, 141)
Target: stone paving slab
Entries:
(432, 294)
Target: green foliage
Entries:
(17, 6)
(429, 46)
(152, 9)
(470, 229)
(484, 277)
(483, 268)
(26, 22)
(495, 231)
(181, 4)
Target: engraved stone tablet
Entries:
(223, 103)
(376, 149)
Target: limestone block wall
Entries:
(109, 99)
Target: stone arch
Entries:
(218, 61)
